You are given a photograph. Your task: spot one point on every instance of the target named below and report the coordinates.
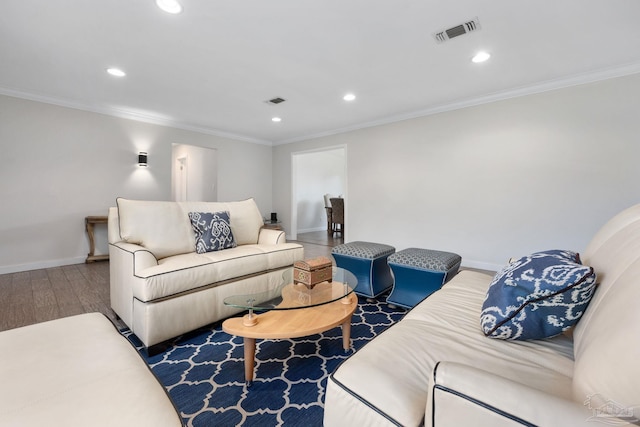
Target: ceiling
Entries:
(212, 67)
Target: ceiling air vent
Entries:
(275, 101)
(458, 30)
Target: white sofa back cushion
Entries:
(164, 228)
(607, 356)
(161, 227)
(606, 352)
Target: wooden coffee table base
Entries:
(301, 322)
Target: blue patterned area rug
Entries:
(204, 372)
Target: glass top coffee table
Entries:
(293, 310)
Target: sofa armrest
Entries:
(269, 236)
(140, 256)
(125, 259)
(463, 395)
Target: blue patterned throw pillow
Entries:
(537, 296)
(213, 231)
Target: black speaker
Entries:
(274, 217)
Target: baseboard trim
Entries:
(311, 230)
(479, 265)
(6, 269)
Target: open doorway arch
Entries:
(314, 174)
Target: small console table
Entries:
(89, 222)
(273, 225)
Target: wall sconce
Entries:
(142, 159)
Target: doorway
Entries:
(194, 173)
(180, 186)
(314, 174)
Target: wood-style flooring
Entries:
(319, 243)
(39, 295)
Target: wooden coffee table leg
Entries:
(249, 359)
(346, 335)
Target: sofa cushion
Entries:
(161, 227)
(606, 368)
(164, 228)
(611, 251)
(213, 231)
(537, 296)
(186, 272)
(606, 347)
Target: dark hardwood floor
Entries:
(39, 295)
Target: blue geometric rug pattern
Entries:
(203, 372)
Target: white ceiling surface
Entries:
(211, 67)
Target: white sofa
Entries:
(160, 286)
(76, 372)
(436, 368)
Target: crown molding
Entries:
(574, 80)
(128, 114)
(549, 85)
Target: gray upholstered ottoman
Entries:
(368, 262)
(418, 273)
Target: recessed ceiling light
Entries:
(169, 6)
(116, 72)
(276, 119)
(480, 57)
(349, 97)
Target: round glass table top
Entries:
(289, 295)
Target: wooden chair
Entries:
(327, 208)
(337, 215)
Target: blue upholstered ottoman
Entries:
(368, 262)
(418, 273)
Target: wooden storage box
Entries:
(312, 271)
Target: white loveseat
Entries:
(160, 286)
(436, 368)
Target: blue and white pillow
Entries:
(537, 296)
(213, 231)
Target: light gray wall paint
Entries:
(60, 165)
(494, 181)
(318, 173)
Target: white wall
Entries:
(488, 182)
(60, 165)
(317, 173)
(493, 181)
